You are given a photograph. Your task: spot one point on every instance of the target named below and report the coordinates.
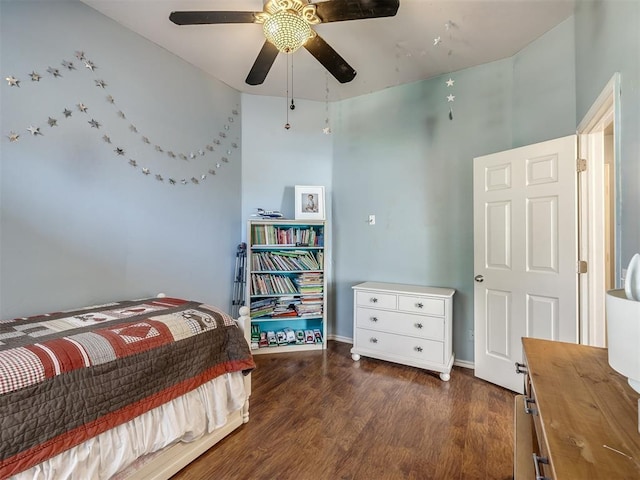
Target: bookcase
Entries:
(286, 285)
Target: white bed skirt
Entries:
(187, 418)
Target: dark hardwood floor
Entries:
(320, 415)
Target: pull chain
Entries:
(292, 106)
(287, 126)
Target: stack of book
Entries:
(309, 283)
(263, 307)
(285, 307)
(310, 306)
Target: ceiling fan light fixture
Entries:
(287, 31)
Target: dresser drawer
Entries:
(421, 326)
(428, 306)
(376, 299)
(415, 349)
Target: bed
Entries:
(127, 390)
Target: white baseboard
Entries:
(457, 363)
(464, 364)
(338, 338)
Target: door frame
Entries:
(604, 111)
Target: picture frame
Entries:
(309, 202)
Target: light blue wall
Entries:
(397, 155)
(608, 41)
(275, 160)
(78, 224)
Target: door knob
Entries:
(479, 278)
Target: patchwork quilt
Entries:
(69, 376)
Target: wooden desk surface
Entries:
(588, 412)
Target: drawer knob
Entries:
(373, 340)
(373, 319)
(419, 305)
(373, 300)
(521, 368)
(418, 349)
(536, 464)
(418, 325)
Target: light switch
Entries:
(372, 219)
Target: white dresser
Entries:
(407, 324)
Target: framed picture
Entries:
(309, 203)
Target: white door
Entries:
(525, 254)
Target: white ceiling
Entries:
(385, 51)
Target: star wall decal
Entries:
(79, 55)
(450, 82)
(451, 98)
(110, 99)
(146, 171)
(195, 180)
(66, 112)
(90, 65)
(35, 76)
(121, 114)
(159, 177)
(13, 81)
(133, 163)
(212, 171)
(68, 65)
(52, 122)
(133, 128)
(171, 154)
(94, 123)
(54, 71)
(82, 107)
(437, 41)
(119, 151)
(100, 83)
(13, 137)
(145, 140)
(172, 181)
(106, 138)
(35, 131)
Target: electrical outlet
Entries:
(372, 219)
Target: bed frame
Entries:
(174, 458)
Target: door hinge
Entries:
(581, 165)
(582, 266)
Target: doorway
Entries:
(594, 264)
(598, 233)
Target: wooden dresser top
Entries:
(588, 412)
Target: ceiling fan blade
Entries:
(206, 18)
(332, 61)
(341, 10)
(263, 63)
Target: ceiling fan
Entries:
(287, 27)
